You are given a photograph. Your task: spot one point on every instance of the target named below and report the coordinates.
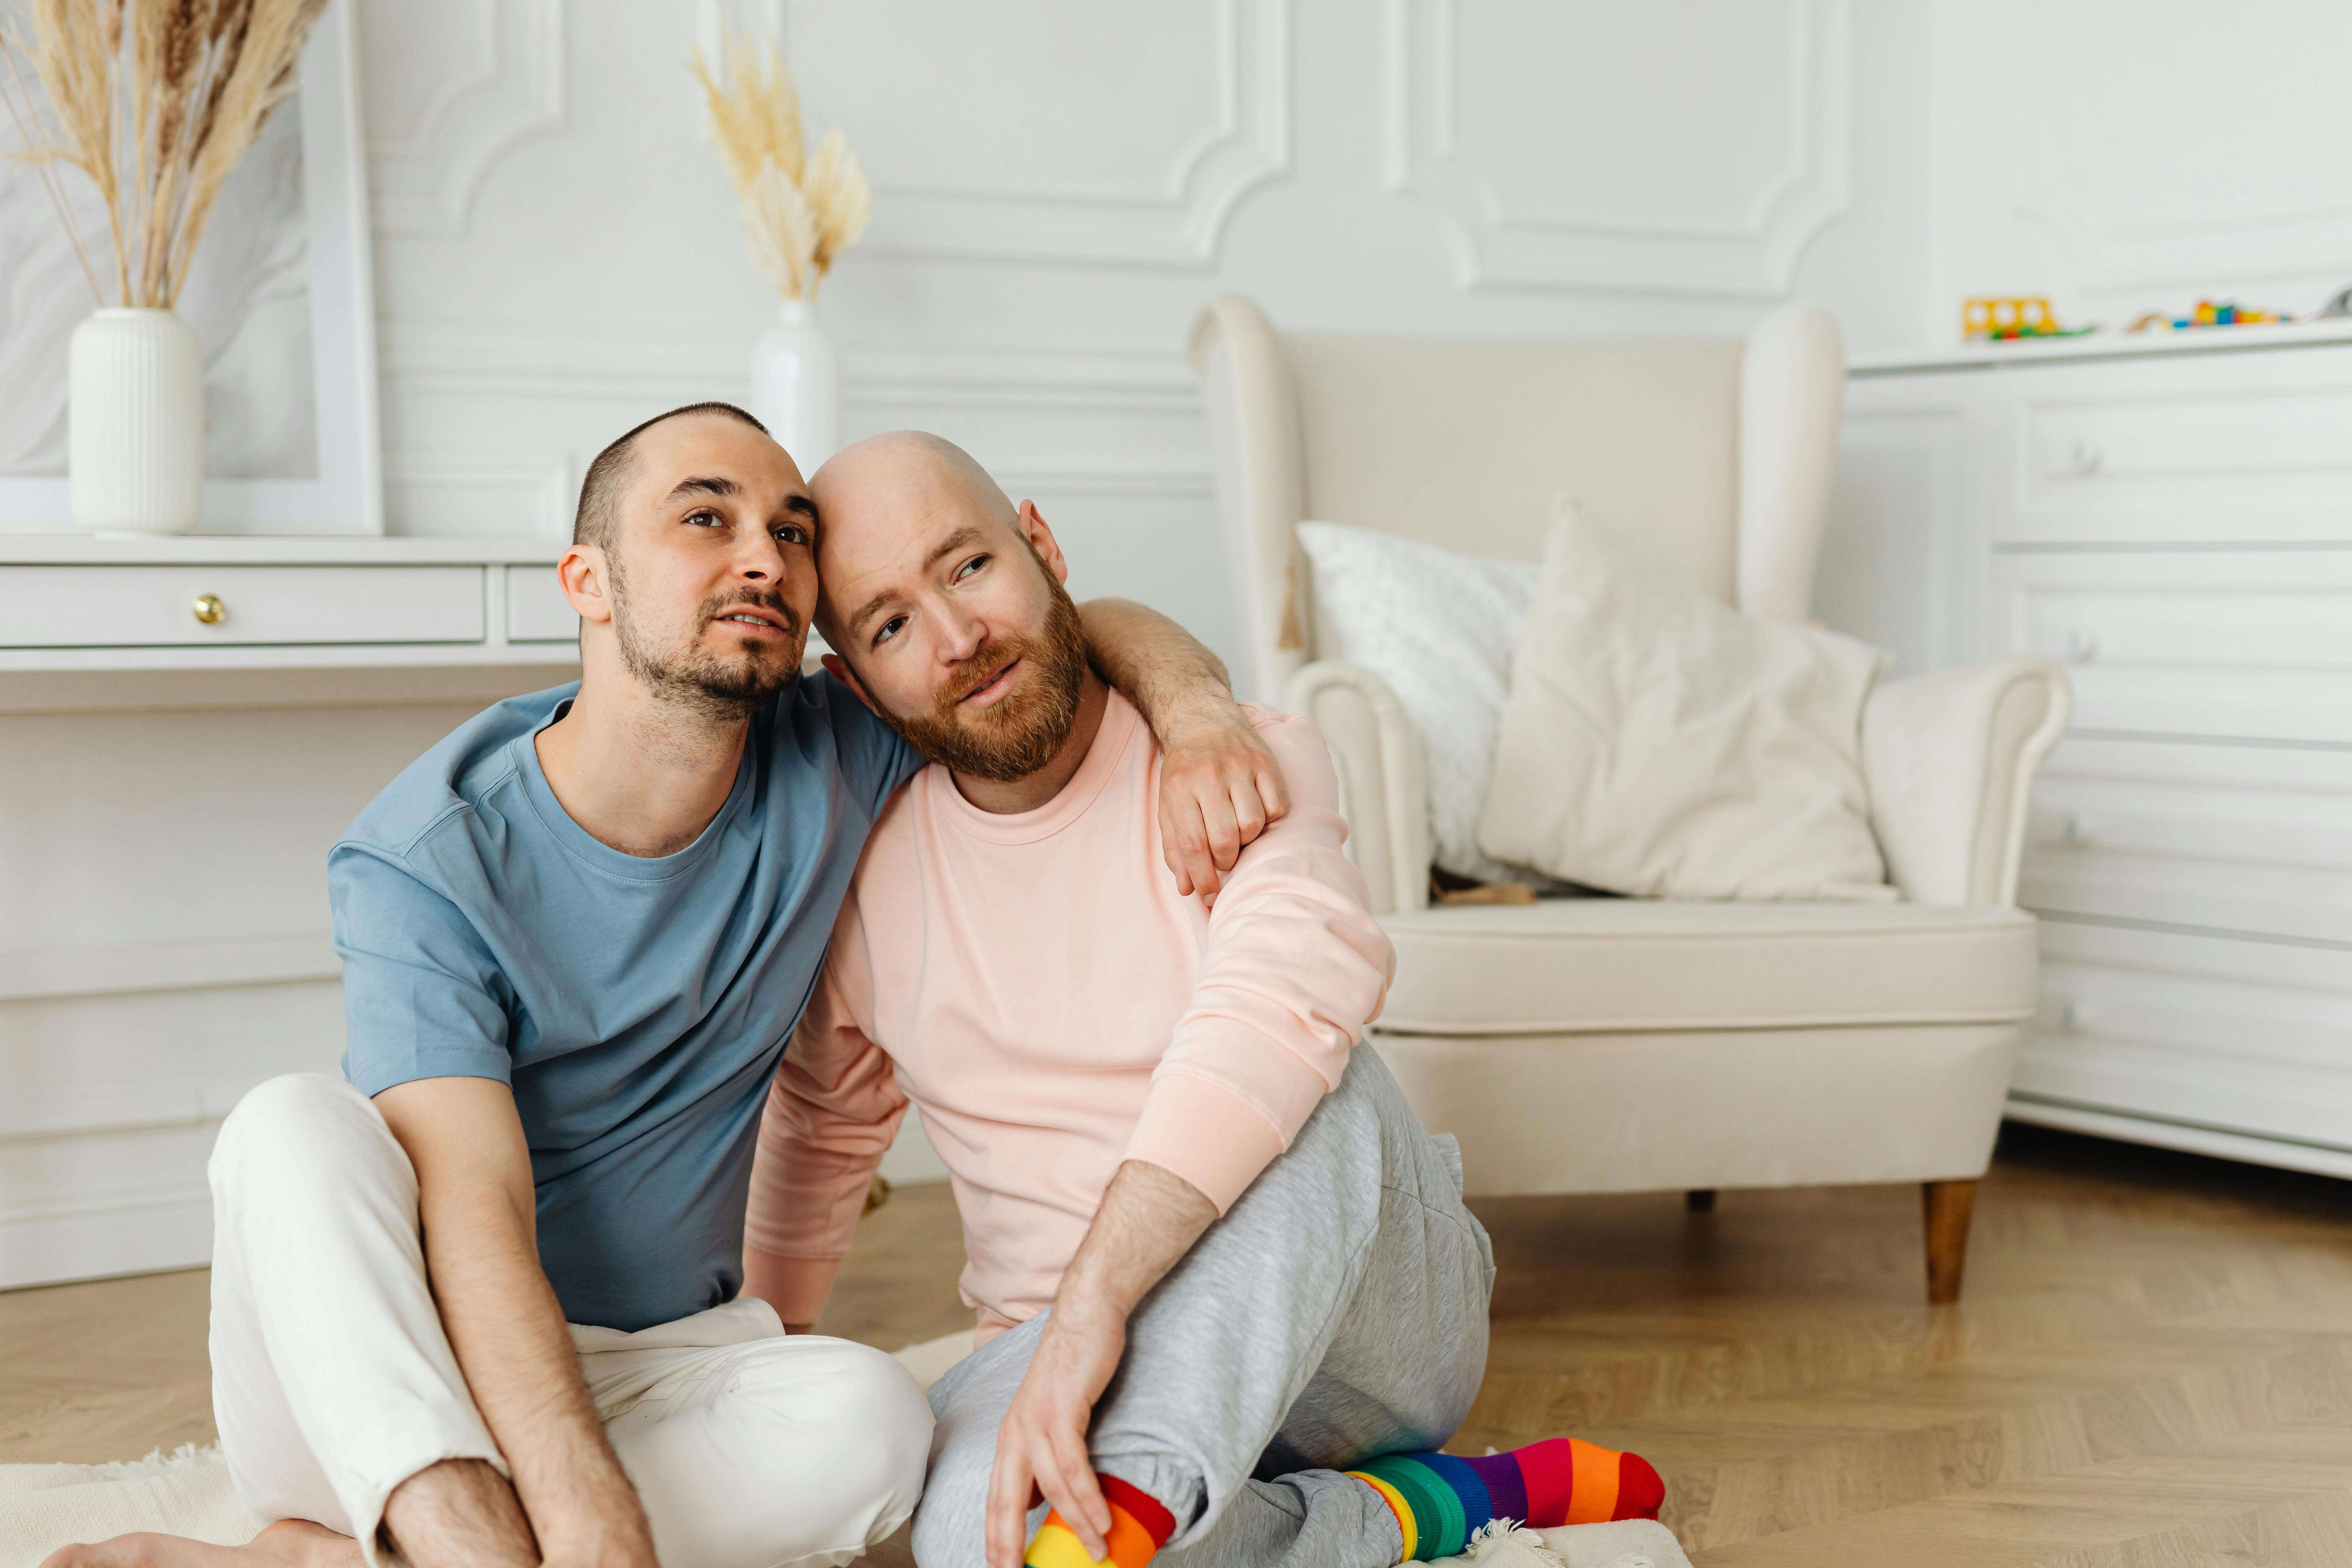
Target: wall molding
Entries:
(1496, 249)
(454, 358)
(49, 974)
(1181, 227)
(123, 1233)
(1111, 484)
(52, 1116)
(545, 489)
(425, 175)
(1107, 426)
(1109, 381)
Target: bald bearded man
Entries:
(1229, 1299)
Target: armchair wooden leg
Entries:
(1699, 1200)
(1947, 1207)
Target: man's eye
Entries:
(889, 629)
(791, 533)
(705, 518)
(970, 566)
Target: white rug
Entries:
(187, 1493)
(44, 1507)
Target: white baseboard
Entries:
(2217, 1141)
(140, 1234)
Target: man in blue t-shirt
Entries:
(463, 1301)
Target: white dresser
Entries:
(2173, 521)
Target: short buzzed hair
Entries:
(598, 518)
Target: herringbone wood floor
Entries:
(2151, 1366)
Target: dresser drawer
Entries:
(2251, 644)
(537, 610)
(2238, 447)
(2200, 1088)
(174, 606)
(2223, 838)
(2206, 1030)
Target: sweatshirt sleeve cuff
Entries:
(1211, 1137)
(797, 1287)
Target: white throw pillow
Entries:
(1657, 743)
(1440, 628)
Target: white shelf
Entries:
(2106, 345)
(286, 550)
(300, 655)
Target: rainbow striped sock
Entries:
(1139, 1527)
(1440, 1501)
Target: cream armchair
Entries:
(1622, 1044)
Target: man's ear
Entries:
(581, 573)
(838, 667)
(1041, 539)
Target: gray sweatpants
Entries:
(1336, 1312)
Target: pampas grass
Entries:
(801, 211)
(155, 100)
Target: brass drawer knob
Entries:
(209, 609)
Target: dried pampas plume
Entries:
(155, 100)
(802, 211)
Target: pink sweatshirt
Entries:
(1035, 983)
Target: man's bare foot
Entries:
(457, 1512)
(289, 1543)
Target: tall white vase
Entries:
(135, 423)
(796, 385)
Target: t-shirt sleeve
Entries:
(875, 758)
(422, 995)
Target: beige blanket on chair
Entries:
(44, 1507)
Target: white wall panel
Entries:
(1053, 131)
(1682, 145)
(451, 85)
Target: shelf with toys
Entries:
(2089, 344)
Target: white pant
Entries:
(333, 1382)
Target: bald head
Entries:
(884, 485)
(908, 466)
(944, 602)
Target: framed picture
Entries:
(280, 294)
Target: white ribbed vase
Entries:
(796, 385)
(135, 424)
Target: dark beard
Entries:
(716, 688)
(1025, 730)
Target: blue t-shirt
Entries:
(637, 1007)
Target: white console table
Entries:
(185, 725)
(2172, 519)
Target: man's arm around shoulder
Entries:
(1219, 785)
(476, 1206)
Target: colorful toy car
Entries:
(2001, 319)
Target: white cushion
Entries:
(1657, 743)
(1440, 628)
(1589, 965)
